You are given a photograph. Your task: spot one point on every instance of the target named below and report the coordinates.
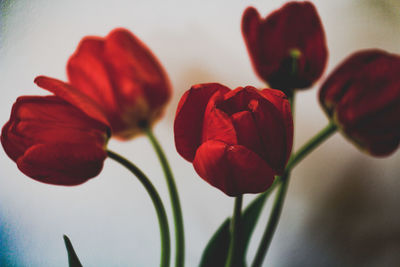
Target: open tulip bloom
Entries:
(239, 141)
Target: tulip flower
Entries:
(54, 142)
(120, 76)
(362, 97)
(287, 48)
(236, 139)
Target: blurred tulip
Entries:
(237, 139)
(287, 48)
(53, 142)
(120, 76)
(362, 96)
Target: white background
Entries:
(342, 205)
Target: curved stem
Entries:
(280, 197)
(176, 206)
(235, 233)
(158, 205)
(272, 222)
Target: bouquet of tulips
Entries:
(238, 140)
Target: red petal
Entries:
(74, 96)
(247, 132)
(363, 96)
(121, 75)
(14, 145)
(88, 72)
(372, 90)
(135, 71)
(275, 135)
(377, 133)
(339, 81)
(40, 125)
(239, 99)
(383, 148)
(217, 124)
(273, 121)
(62, 163)
(188, 124)
(234, 170)
(276, 97)
(280, 101)
(270, 41)
(251, 22)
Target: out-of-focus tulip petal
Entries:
(88, 71)
(136, 72)
(73, 96)
(250, 30)
(287, 48)
(54, 142)
(62, 163)
(362, 96)
(342, 77)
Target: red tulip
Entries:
(287, 48)
(362, 96)
(237, 139)
(120, 76)
(53, 142)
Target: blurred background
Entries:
(342, 207)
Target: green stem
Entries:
(176, 206)
(158, 205)
(280, 197)
(272, 222)
(313, 143)
(235, 233)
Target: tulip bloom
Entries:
(237, 139)
(120, 76)
(287, 48)
(53, 142)
(362, 96)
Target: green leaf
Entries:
(216, 251)
(72, 257)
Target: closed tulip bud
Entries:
(287, 48)
(236, 139)
(362, 96)
(54, 142)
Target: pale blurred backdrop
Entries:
(342, 207)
